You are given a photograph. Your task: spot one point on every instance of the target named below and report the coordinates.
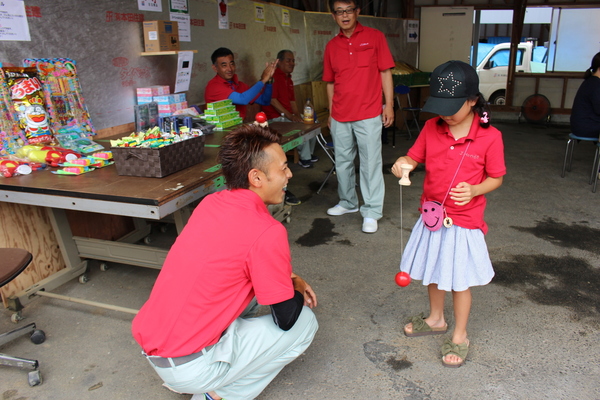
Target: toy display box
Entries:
(158, 162)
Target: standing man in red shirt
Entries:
(357, 68)
(226, 85)
(197, 329)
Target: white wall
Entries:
(108, 48)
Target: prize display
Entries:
(44, 120)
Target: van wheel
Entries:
(498, 98)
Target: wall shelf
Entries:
(165, 53)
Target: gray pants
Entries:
(245, 360)
(365, 136)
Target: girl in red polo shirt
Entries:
(464, 160)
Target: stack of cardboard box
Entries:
(222, 114)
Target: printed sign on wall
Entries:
(223, 14)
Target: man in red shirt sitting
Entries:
(283, 103)
(226, 85)
(197, 329)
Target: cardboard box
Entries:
(161, 36)
(170, 98)
(218, 104)
(157, 163)
(156, 90)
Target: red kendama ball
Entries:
(402, 279)
(261, 117)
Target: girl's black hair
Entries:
(480, 109)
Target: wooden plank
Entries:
(124, 129)
(99, 226)
(165, 53)
(319, 96)
(29, 228)
(302, 92)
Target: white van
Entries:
(492, 68)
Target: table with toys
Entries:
(103, 191)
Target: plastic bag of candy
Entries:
(28, 100)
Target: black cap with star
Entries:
(451, 84)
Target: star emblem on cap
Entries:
(448, 84)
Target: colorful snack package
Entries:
(28, 100)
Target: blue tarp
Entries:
(501, 58)
(483, 50)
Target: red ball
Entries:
(402, 279)
(260, 117)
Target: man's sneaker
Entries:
(369, 225)
(290, 199)
(314, 158)
(305, 163)
(339, 210)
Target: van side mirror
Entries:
(489, 64)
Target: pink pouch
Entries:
(432, 214)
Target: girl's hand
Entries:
(397, 170)
(462, 193)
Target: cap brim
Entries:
(443, 106)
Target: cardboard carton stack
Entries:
(167, 102)
(146, 94)
(222, 114)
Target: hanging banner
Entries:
(179, 6)
(150, 5)
(412, 31)
(13, 21)
(184, 71)
(285, 17)
(183, 23)
(259, 13)
(223, 14)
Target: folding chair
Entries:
(405, 90)
(574, 139)
(328, 148)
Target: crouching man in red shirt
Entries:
(196, 329)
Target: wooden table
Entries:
(103, 191)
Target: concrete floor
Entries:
(534, 330)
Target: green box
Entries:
(219, 104)
(416, 78)
(222, 118)
(219, 111)
(219, 126)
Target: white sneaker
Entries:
(339, 210)
(369, 225)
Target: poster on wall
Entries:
(223, 14)
(412, 31)
(183, 22)
(285, 17)
(179, 6)
(150, 5)
(184, 71)
(13, 21)
(259, 13)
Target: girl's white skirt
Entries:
(454, 258)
